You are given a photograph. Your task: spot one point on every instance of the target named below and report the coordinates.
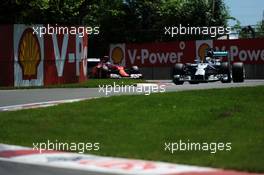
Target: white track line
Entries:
(38, 104)
(100, 165)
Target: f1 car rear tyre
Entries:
(194, 82)
(238, 72)
(226, 71)
(178, 70)
(103, 72)
(177, 82)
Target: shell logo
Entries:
(117, 55)
(29, 54)
(202, 50)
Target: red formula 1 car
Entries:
(105, 69)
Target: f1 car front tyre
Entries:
(178, 71)
(225, 70)
(194, 82)
(177, 82)
(238, 72)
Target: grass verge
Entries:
(138, 126)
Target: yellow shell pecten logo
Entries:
(29, 54)
(117, 55)
(202, 50)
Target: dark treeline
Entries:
(119, 20)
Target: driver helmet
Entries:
(210, 52)
(207, 59)
(105, 59)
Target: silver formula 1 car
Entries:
(210, 70)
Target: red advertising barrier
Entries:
(249, 51)
(163, 54)
(152, 54)
(6, 56)
(65, 59)
(30, 59)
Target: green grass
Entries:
(91, 83)
(138, 126)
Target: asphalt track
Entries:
(28, 96)
(15, 168)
